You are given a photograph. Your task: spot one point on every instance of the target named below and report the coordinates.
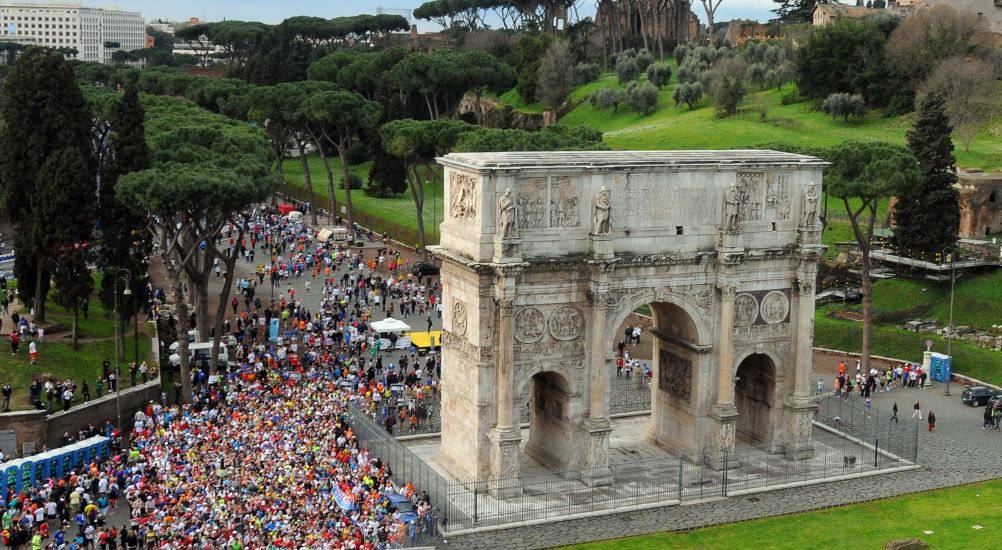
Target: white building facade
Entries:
(95, 33)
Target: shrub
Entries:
(727, 86)
(644, 60)
(791, 98)
(627, 68)
(659, 74)
(680, 52)
(756, 74)
(689, 94)
(844, 105)
(607, 98)
(585, 73)
(353, 181)
(642, 97)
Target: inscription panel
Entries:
(654, 200)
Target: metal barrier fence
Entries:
(875, 444)
(883, 430)
(406, 467)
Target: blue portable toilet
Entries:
(940, 367)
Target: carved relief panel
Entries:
(529, 204)
(565, 210)
(762, 307)
(764, 196)
(463, 197)
(675, 375)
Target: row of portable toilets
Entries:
(26, 473)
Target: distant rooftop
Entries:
(625, 159)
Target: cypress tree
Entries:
(927, 217)
(125, 240)
(44, 112)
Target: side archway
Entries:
(756, 382)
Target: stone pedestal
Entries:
(797, 419)
(808, 234)
(597, 472)
(601, 246)
(504, 479)
(507, 250)
(720, 442)
(730, 239)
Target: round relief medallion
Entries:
(745, 310)
(459, 318)
(565, 323)
(529, 325)
(775, 307)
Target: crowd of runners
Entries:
(265, 456)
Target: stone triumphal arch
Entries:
(545, 255)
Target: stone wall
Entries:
(35, 427)
(980, 203)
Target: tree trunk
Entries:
(229, 261)
(181, 311)
(342, 151)
(39, 315)
(304, 162)
(202, 309)
(865, 238)
(330, 179)
(76, 318)
(417, 191)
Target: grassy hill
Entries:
(673, 127)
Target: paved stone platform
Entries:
(958, 452)
(643, 475)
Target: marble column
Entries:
(506, 435)
(799, 407)
(597, 424)
(724, 413)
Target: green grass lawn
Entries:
(396, 215)
(57, 358)
(978, 303)
(951, 515)
(673, 127)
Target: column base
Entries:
(720, 441)
(798, 413)
(597, 472)
(504, 480)
(507, 250)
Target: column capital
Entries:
(727, 290)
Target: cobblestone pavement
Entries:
(956, 453)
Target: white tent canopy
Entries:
(390, 325)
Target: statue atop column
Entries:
(810, 216)
(732, 203)
(603, 209)
(506, 216)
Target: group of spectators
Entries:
(905, 375)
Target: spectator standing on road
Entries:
(932, 420)
(917, 411)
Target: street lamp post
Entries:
(949, 336)
(125, 276)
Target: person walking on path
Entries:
(894, 413)
(917, 411)
(932, 421)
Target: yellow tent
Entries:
(426, 339)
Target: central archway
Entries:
(678, 363)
